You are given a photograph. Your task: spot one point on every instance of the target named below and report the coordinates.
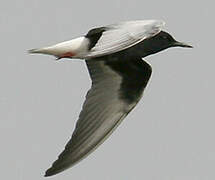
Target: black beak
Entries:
(181, 44)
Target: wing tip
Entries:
(159, 23)
(154, 22)
(57, 167)
(51, 171)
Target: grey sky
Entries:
(168, 136)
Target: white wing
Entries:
(123, 35)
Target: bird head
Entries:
(161, 41)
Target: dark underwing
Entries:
(135, 75)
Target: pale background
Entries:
(168, 136)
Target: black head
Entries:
(161, 41)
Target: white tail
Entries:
(76, 46)
(41, 50)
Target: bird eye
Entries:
(165, 37)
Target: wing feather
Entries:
(103, 109)
(123, 35)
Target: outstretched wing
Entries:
(117, 86)
(117, 37)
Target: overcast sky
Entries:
(168, 136)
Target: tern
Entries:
(113, 55)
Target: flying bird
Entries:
(113, 55)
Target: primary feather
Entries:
(118, 37)
(107, 103)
